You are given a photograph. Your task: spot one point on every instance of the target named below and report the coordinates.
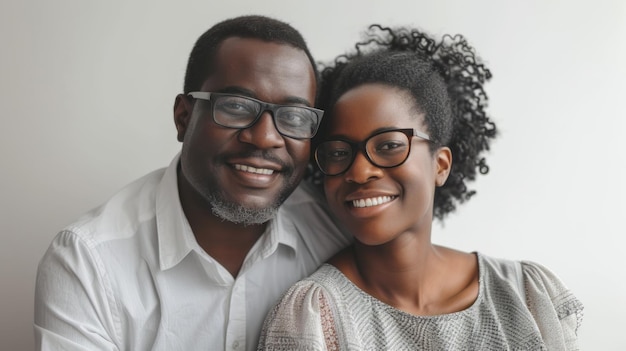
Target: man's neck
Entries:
(227, 242)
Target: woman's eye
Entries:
(338, 154)
(390, 146)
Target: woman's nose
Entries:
(362, 170)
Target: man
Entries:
(193, 256)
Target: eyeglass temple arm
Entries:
(200, 95)
(422, 135)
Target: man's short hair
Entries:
(202, 57)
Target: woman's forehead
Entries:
(371, 107)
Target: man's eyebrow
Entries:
(289, 100)
(236, 90)
(294, 100)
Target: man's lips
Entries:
(260, 164)
(254, 175)
(252, 169)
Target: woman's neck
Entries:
(417, 277)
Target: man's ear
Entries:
(182, 115)
(443, 157)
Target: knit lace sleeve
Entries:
(556, 310)
(302, 320)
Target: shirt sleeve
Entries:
(72, 308)
(302, 320)
(557, 311)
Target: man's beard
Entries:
(239, 214)
(228, 210)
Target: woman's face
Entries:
(400, 198)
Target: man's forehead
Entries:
(235, 45)
(269, 71)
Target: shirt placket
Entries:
(236, 328)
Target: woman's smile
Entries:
(372, 201)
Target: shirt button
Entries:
(236, 345)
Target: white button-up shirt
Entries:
(129, 275)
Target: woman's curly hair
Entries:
(445, 78)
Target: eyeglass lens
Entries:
(241, 112)
(388, 149)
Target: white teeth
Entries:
(373, 201)
(251, 169)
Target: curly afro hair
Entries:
(445, 79)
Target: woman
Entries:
(406, 131)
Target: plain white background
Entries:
(87, 89)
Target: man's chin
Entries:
(244, 215)
(250, 210)
(249, 207)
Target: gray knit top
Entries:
(520, 306)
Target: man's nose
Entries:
(263, 133)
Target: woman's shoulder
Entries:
(301, 318)
(529, 276)
(545, 288)
(313, 287)
(539, 277)
(529, 271)
(502, 273)
(556, 310)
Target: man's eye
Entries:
(236, 106)
(295, 117)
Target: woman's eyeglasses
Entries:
(385, 149)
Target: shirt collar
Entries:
(173, 230)
(282, 228)
(176, 239)
(279, 231)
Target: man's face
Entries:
(245, 174)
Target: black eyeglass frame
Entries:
(265, 106)
(361, 146)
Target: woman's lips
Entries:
(371, 201)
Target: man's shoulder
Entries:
(306, 204)
(120, 215)
(306, 213)
(306, 193)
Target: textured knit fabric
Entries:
(520, 306)
(130, 275)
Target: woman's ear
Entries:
(182, 115)
(443, 157)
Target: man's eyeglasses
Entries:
(240, 112)
(386, 149)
